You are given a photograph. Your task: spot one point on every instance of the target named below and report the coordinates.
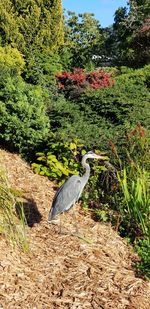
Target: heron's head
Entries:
(93, 155)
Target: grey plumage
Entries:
(69, 193)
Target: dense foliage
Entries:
(127, 41)
(61, 161)
(83, 38)
(31, 23)
(97, 116)
(23, 121)
(35, 29)
(128, 101)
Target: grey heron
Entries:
(69, 193)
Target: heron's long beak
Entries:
(102, 157)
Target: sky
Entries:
(103, 9)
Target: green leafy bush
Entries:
(41, 67)
(123, 196)
(137, 77)
(60, 162)
(70, 120)
(127, 102)
(133, 173)
(23, 121)
(143, 248)
(97, 117)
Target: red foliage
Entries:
(99, 79)
(146, 26)
(77, 77)
(79, 80)
(138, 131)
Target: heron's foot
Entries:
(53, 222)
(63, 233)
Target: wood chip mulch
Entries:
(62, 270)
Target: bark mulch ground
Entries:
(65, 271)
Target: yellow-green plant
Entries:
(11, 60)
(11, 226)
(32, 23)
(60, 162)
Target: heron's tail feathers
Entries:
(50, 215)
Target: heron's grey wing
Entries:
(66, 196)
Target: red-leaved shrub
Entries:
(73, 83)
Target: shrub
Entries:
(139, 77)
(125, 103)
(61, 161)
(23, 121)
(11, 60)
(96, 117)
(41, 67)
(99, 79)
(76, 82)
(123, 197)
(142, 246)
(70, 120)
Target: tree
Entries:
(31, 23)
(9, 28)
(35, 28)
(128, 41)
(83, 37)
(141, 34)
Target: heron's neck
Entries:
(86, 166)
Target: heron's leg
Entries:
(75, 221)
(60, 224)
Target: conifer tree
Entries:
(36, 23)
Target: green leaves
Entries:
(23, 119)
(128, 41)
(60, 162)
(126, 102)
(32, 23)
(83, 36)
(137, 199)
(11, 60)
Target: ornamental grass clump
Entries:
(12, 227)
(136, 194)
(134, 203)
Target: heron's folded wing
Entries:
(68, 194)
